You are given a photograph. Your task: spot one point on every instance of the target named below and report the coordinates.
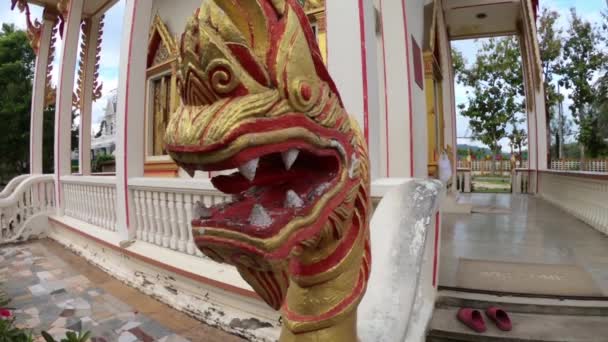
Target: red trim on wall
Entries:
(156, 263)
(385, 94)
(125, 135)
(409, 87)
(364, 72)
(436, 250)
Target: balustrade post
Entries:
(165, 219)
(174, 237)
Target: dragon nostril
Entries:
(306, 92)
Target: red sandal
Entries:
(472, 319)
(500, 317)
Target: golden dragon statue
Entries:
(256, 96)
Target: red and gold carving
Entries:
(34, 29)
(256, 96)
(77, 97)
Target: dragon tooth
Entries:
(292, 200)
(259, 217)
(289, 157)
(190, 171)
(249, 168)
(201, 211)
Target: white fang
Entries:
(259, 217)
(249, 168)
(201, 211)
(292, 200)
(289, 157)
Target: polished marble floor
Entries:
(55, 290)
(521, 229)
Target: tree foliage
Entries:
(16, 73)
(497, 92)
(582, 60)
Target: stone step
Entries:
(534, 319)
(523, 304)
(526, 327)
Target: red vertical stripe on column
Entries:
(58, 117)
(385, 95)
(409, 87)
(126, 114)
(364, 72)
(436, 250)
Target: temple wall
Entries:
(415, 22)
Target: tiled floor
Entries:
(521, 229)
(57, 291)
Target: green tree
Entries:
(16, 74)
(497, 91)
(582, 60)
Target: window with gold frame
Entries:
(161, 97)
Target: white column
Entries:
(86, 110)
(65, 86)
(131, 109)
(39, 94)
(352, 60)
(397, 90)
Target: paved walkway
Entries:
(52, 289)
(519, 239)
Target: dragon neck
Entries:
(328, 279)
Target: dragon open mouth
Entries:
(298, 177)
(270, 190)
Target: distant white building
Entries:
(104, 140)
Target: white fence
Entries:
(582, 194)
(591, 165)
(485, 166)
(33, 196)
(164, 210)
(91, 199)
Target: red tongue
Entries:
(237, 183)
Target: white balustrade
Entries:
(33, 196)
(592, 165)
(164, 210)
(12, 185)
(91, 199)
(582, 194)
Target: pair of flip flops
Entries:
(474, 319)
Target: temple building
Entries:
(104, 140)
(391, 64)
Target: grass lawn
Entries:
(491, 184)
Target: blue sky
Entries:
(110, 51)
(588, 9)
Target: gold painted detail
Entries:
(78, 98)
(240, 65)
(34, 29)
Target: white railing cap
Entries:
(24, 186)
(173, 184)
(91, 180)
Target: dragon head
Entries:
(256, 96)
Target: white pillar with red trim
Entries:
(39, 94)
(402, 79)
(131, 105)
(352, 60)
(84, 147)
(65, 86)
